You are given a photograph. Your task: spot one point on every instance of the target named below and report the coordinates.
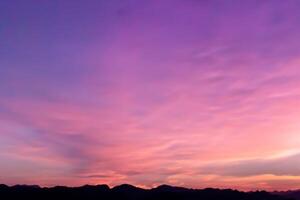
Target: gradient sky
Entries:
(181, 92)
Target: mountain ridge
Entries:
(131, 192)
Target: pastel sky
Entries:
(181, 92)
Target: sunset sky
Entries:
(191, 93)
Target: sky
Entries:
(181, 92)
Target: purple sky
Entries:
(182, 92)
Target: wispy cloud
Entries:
(282, 166)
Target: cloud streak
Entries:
(282, 166)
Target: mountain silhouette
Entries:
(126, 188)
(130, 192)
(168, 188)
(292, 194)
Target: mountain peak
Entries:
(169, 188)
(125, 187)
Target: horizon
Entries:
(197, 94)
(129, 192)
(149, 188)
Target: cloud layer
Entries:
(282, 166)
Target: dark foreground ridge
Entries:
(129, 192)
(291, 194)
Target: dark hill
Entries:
(126, 188)
(292, 194)
(129, 192)
(168, 188)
